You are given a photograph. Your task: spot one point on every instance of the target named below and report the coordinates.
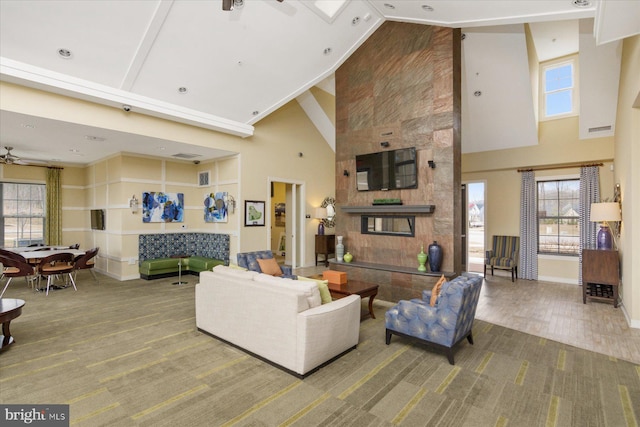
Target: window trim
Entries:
(575, 93)
(556, 178)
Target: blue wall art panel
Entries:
(162, 207)
(216, 207)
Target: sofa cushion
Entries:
(232, 272)
(308, 289)
(269, 266)
(323, 287)
(199, 264)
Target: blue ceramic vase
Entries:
(435, 256)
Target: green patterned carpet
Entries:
(128, 354)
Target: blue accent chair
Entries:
(442, 326)
(249, 261)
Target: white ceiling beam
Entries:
(318, 117)
(39, 78)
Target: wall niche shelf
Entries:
(390, 209)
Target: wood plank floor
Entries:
(554, 311)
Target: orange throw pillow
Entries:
(436, 291)
(269, 266)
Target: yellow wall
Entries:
(627, 157)
(558, 144)
(271, 153)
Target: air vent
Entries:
(600, 129)
(186, 155)
(203, 179)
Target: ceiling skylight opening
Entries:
(326, 9)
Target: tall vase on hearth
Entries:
(339, 249)
(435, 256)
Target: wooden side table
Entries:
(325, 245)
(600, 275)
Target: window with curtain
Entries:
(558, 217)
(23, 213)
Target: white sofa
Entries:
(279, 320)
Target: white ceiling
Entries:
(240, 66)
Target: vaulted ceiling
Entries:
(194, 63)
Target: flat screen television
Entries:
(97, 219)
(387, 170)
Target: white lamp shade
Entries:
(607, 211)
(320, 213)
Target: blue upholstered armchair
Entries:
(248, 260)
(504, 254)
(441, 326)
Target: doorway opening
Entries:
(475, 237)
(285, 236)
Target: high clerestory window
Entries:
(559, 97)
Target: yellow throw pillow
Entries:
(237, 267)
(323, 287)
(269, 266)
(436, 291)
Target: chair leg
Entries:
(6, 286)
(48, 283)
(93, 273)
(470, 337)
(450, 356)
(485, 270)
(388, 337)
(492, 270)
(73, 282)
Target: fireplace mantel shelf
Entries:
(389, 209)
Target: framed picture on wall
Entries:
(253, 213)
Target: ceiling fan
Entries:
(12, 159)
(228, 5)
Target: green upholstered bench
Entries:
(165, 267)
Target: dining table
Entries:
(34, 255)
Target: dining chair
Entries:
(15, 268)
(57, 264)
(86, 262)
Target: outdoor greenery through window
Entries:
(558, 213)
(23, 213)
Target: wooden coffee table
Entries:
(356, 287)
(9, 309)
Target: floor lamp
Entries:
(604, 213)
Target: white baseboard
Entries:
(558, 280)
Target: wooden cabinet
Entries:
(600, 275)
(325, 245)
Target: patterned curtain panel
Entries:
(589, 193)
(528, 261)
(53, 226)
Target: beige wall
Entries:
(272, 153)
(558, 144)
(627, 158)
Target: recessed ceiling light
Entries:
(255, 113)
(93, 138)
(74, 150)
(389, 6)
(477, 93)
(64, 53)
(28, 126)
(581, 3)
(427, 8)
(182, 89)
(355, 21)
(327, 51)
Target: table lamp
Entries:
(603, 213)
(321, 214)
